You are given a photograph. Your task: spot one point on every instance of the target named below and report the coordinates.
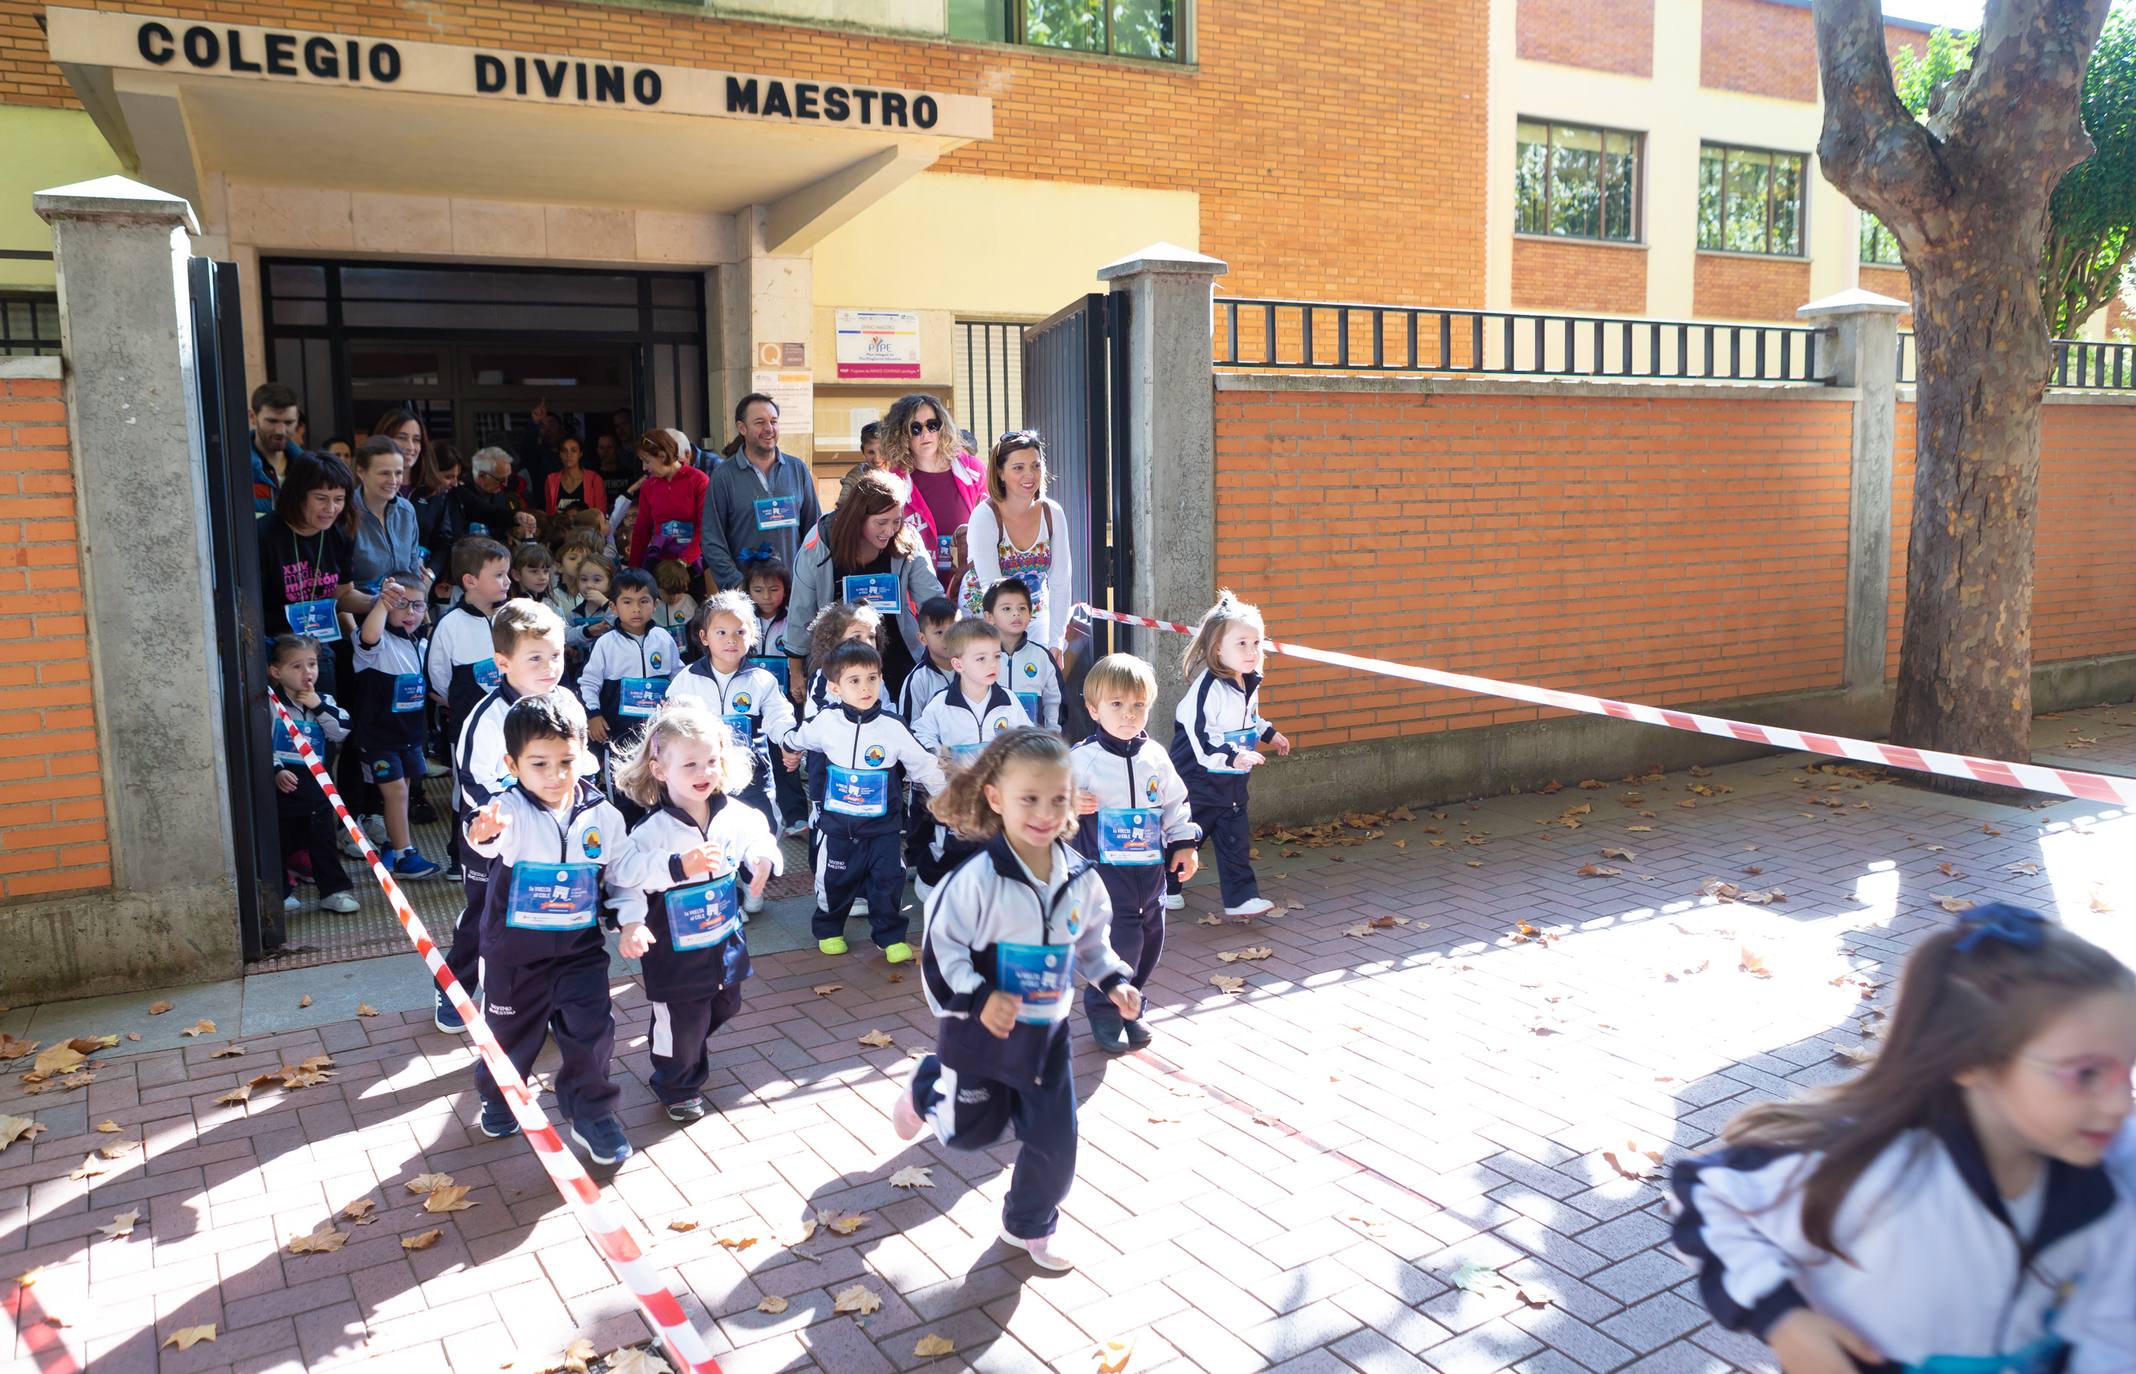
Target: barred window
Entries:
(29, 324)
(1125, 28)
(1571, 181)
(1750, 200)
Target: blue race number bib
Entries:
(677, 532)
(1249, 738)
(1128, 835)
(1039, 977)
(486, 674)
(775, 666)
(964, 753)
(315, 618)
(407, 692)
(553, 896)
(778, 513)
(876, 589)
(863, 792)
(637, 697)
(314, 735)
(1030, 702)
(744, 727)
(704, 914)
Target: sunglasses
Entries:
(933, 426)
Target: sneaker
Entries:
(446, 1017)
(796, 830)
(342, 902)
(835, 945)
(899, 953)
(860, 908)
(497, 1121)
(752, 903)
(1041, 1252)
(374, 829)
(603, 1138)
(349, 848)
(434, 769)
(456, 872)
(1138, 1033)
(688, 1110)
(292, 903)
(905, 1116)
(1247, 910)
(1175, 901)
(1109, 1033)
(410, 863)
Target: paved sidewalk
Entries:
(1417, 1145)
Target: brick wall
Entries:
(1669, 548)
(52, 836)
(1561, 274)
(1755, 46)
(1317, 179)
(1724, 287)
(1892, 282)
(1603, 35)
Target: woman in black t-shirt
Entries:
(306, 555)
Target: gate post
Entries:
(1170, 435)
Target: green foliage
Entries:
(1916, 75)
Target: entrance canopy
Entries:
(181, 101)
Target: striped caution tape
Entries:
(610, 1233)
(2030, 777)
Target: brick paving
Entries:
(1420, 1146)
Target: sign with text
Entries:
(879, 345)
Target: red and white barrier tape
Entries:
(610, 1233)
(2031, 777)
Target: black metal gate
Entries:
(1074, 379)
(226, 458)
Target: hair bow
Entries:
(2013, 925)
(762, 553)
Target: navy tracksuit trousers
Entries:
(849, 867)
(1137, 932)
(1225, 826)
(464, 955)
(971, 1113)
(561, 999)
(681, 1028)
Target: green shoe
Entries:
(835, 945)
(899, 953)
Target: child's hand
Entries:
(704, 861)
(1187, 864)
(284, 780)
(1282, 743)
(999, 1015)
(1128, 998)
(1808, 1342)
(791, 758)
(1086, 804)
(488, 823)
(310, 701)
(637, 939)
(595, 598)
(760, 874)
(597, 730)
(1251, 758)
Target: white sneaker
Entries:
(1041, 1252)
(1248, 910)
(343, 902)
(752, 903)
(374, 827)
(292, 903)
(347, 846)
(860, 906)
(1175, 901)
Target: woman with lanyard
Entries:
(388, 539)
(1021, 532)
(866, 552)
(573, 486)
(919, 444)
(669, 502)
(305, 558)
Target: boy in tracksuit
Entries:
(1027, 668)
(461, 665)
(389, 700)
(864, 755)
(959, 722)
(627, 671)
(1135, 825)
(545, 962)
(929, 678)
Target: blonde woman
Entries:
(920, 445)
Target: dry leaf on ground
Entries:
(422, 1240)
(844, 1223)
(108, 1127)
(12, 1048)
(744, 1242)
(450, 1198)
(158, 1008)
(579, 1355)
(360, 1211)
(684, 1224)
(1950, 903)
(228, 1052)
(826, 989)
(90, 1167)
(1754, 963)
(1599, 871)
(931, 1346)
(302, 1078)
(1226, 982)
(366, 1009)
(237, 1096)
(201, 1027)
(1212, 919)
(14, 1128)
(118, 1148)
(186, 1337)
(304, 1001)
(321, 1241)
(1251, 952)
(635, 1361)
(912, 1176)
(858, 1298)
(122, 1224)
(423, 1183)
(1114, 1355)
(57, 1060)
(878, 1039)
(774, 1304)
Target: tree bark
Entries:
(1966, 196)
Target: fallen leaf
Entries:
(186, 1337)
(1853, 1054)
(896, 977)
(158, 1008)
(1212, 919)
(579, 1355)
(1251, 952)
(449, 1198)
(1228, 983)
(1636, 1170)
(1387, 922)
(322, 1241)
(2022, 870)
(1989, 830)
(773, 1303)
(858, 1298)
(912, 1176)
(360, 1211)
(90, 1167)
(636, 1361)
(1754, 963)
(1362, 928)
(366, 1009)
(56, 1060)
(303, 1078)
(201, 1027)
(133, 1035)
(844, 1223)
(14, 1128)
(1536, 1303)
(1114, 1355)
(422, 1240)
(12, 1048)
(237, 1096)
(1639, 829)
(931, 1346)
(228, 1052)
(1477, 1278)
(878, 1039)
(118, 1148)
(1599, 871)
(744, 1242)
(683, 1224)
(108, 1127)
(120, 1225)
(2100, 904)
(90, 1044)
(826, 989)
(1950, 903)
(304, 1001)
(1625, 854)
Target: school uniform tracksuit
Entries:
(479, 774)
(923, 684)
(861, 760)
(1028, 671)
(304, 818)
(389, 708)
(623, 682)
(462, 666)
(1142, 824)
(1216, 720)
(951, 723)
(754, 705)
(992, 926)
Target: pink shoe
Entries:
(904, 1116)
(1041, 1252)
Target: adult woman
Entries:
(305, 557)
(437, 515)
(919, 443)
(573, 485)
(1021, 532)
(865, 551)
(670, 502)
(388, 535)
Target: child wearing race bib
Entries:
(769, 585)
(302, 812)
(678, 885)
(545, 963)
(1936, 1211)
(838, 623)
(627, 672)
(956, 725)
(461, 663)
(1135, 825)
(866, 754)
(1217, 734)
(1027, 667)
(746, 697)
(390, 705)
(677, 607)
(1005, 938)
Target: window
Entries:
(1125, 28)
(1879, 245)
(1750, 200)
(1577, 183)
(29, 324)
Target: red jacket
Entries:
(677, 501)
(590, 491)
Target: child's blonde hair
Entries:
(673, 721)
(736, 604)
(831, 625)
(963, 633)
(672, 575)
(1121, 674)
(962, 805)
(522, 618)
(1209, 634)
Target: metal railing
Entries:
(29, 324)
(1333, 336)
(987, 373)
(2079, 364)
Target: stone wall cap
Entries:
(114, 197)
(1852, 301)
(34, 368)
(1167, 258)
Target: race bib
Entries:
(315, 618)
(486, 674)
(744, 727)
(637, 697)
(2036, 1358)
(407, 692)
(1039, 977)
(1249, 738)
(1128, 835)
(778, 513)
(964, 753)
(1030, 705)
(703, 914)
(863, 792)
(775, 666)
(945, 550)
(553, 896)
(677, 532)
(314, 735)
(875, 589)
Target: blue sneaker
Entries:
(497, 1122)
(603, 1138)
(445, 1018)
(410, 863)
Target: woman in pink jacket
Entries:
(920, 445)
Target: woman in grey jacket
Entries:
(864, 551)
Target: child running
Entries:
(675, 881)
(1931, 1212)
(1006, 933)
(957, 724)
(1217, 734)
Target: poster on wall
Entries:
(794, 392)
(878, 345)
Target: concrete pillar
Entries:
(761, 298)
(1171, 444)
(120, 251)
(1859, 348)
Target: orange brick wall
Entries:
(52, 836)
(1318, 178)
(1672, 548)
(1892, 282)
(1555, 274)
(1765, 49)
(1724, 287)
(1604, 35)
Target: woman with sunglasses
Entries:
(920, 445)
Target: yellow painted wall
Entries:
(40, 149)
